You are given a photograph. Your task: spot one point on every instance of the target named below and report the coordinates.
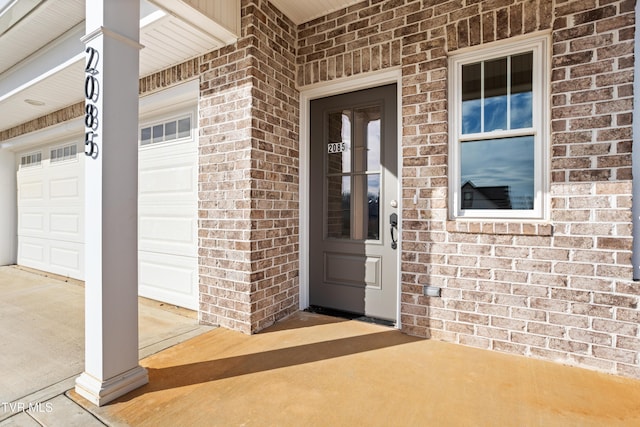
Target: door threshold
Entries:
(349, 315)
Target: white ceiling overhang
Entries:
(304, 11)
(42, 61)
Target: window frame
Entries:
(63, 159)
(539, 46)
(162, 122)
(37, 163)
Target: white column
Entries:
(8, 213)
(111, 186)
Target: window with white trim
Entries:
(166, 131)
(31, 159)
(498, 131)
(60, 154)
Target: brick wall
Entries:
(249, 175)
(558, 290)
(275, 157)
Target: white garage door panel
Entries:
(64, 188)
(66, 226)
(64, 258)
(30, 191)
(167, 180)
(169, 278)
(31, 222)
(169, 235)
(57, 223)
(32, 252)
(50, 209)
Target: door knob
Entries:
(393, 221)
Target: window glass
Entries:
(167, 131)
(170, 130)
(63, 153)
(158, 133)
(495, 95)
(521, 91)
(145, 136)
(471, 98)
(29, 160)
(184, 128)
(489, 102)
(497, 173)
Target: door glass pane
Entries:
(522, 91)
(497, 173)
(373, 200)
(373, 146)
(353, 173)
(367, 139)
(339, 207)
(339, 143)
(495, 92)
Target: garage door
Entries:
(50, 209)
(167, 211)
(51, 206)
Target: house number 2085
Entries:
(91, 94)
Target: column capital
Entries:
(103, 31)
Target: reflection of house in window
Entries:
(485, 197)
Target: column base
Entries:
(102, 392)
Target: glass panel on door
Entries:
(353, 174)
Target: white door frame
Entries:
(307, 94)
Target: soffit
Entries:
(304, 11)
(168, 39)
(43, 24)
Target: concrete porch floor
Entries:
(42, 345)
(313, 370)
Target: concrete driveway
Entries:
(42, 336)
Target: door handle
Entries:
(393, 220)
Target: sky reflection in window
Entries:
(497, 94)
(497, 173)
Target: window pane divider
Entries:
(498, 134)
